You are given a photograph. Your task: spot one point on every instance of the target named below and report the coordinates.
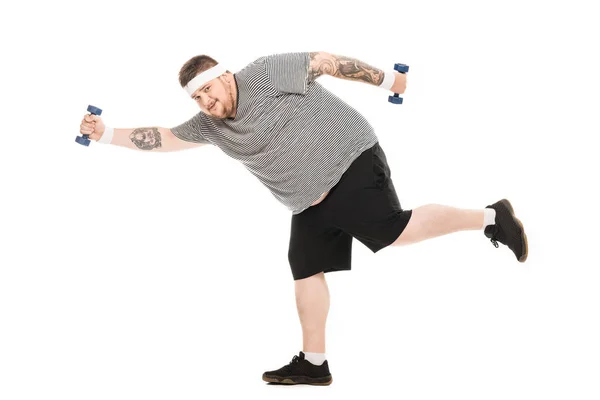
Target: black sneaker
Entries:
(507, 230)
(300, 370)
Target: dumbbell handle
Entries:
(85, 139)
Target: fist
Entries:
(399, 85)
(92, 125)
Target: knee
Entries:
(411, 231)
(310, 285)
(310, 291)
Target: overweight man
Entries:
(322, 160)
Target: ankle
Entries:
(315, 358)
(313, 340)
(489, 217)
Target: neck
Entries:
(233, 95)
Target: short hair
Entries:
(193, 67)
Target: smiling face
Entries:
(218, 97)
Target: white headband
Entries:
(204, 77)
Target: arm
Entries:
(151, 139)
(322, 63)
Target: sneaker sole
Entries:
(295, 380)
(524, 241)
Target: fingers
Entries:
(88, 124)
(86, 131)
(87, 127)
(91, 118)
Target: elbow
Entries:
(320, 63)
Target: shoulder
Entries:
(199, 122)
(253, 66)
(254, 77)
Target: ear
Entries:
(226, 77)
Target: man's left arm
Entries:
(322, 63)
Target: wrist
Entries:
(389, 78)
(107, 136)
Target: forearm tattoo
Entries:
(343, 67)
(146, 138)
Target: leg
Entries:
(312, 301)
(433, 220)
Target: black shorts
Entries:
(362, 205)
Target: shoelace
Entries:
(295, 360)
(494, 240)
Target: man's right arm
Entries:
(151, 139)
(146, 139)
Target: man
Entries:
(320, 158)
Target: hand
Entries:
(399, 85)
(92, 125)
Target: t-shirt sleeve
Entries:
(193, 130)
(288, 72)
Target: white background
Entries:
(135, 275)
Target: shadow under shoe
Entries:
(507, 230)
(299, 371)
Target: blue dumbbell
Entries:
(402, 68)
(85, 139)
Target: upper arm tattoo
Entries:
(146, 138)
(320, 63)
(343, 67)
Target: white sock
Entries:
(489, 217)
(315, 358)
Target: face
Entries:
(217, 97)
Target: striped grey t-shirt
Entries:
(295, 136)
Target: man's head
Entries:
(216, 97)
